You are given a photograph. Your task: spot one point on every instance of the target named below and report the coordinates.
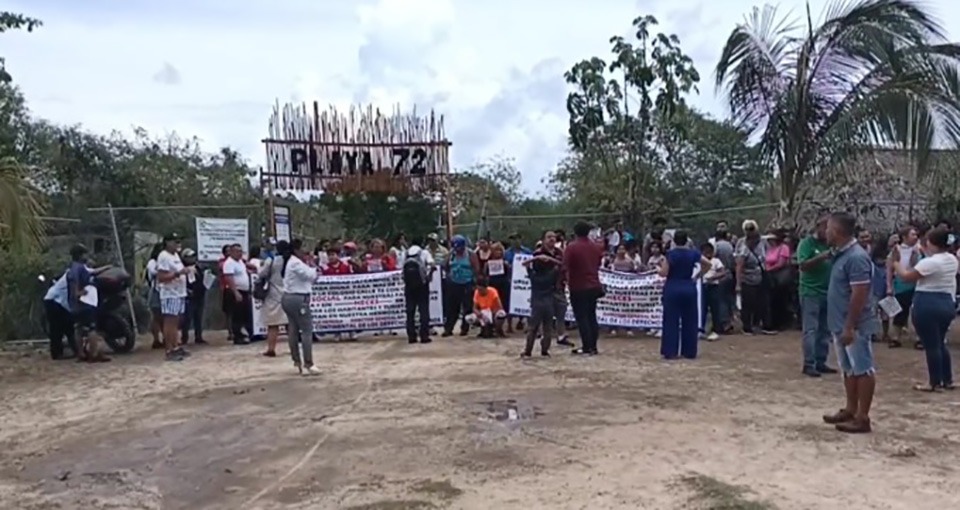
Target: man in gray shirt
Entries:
(723, 250)
(852, 320)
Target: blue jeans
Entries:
(816, 335)
(932, 314)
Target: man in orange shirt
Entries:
(488, 311)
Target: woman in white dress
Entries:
(271, 312)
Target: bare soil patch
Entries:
(464, 424)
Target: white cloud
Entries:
(494, 68)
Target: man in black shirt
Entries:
(544, 274)
(550, 246)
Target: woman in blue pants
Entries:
(933, 305)
(680, 306)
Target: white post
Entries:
(119, 252)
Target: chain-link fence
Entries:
(114, 236)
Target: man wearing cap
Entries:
(172, 286)
(196, 298)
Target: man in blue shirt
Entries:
(79, 278)
(852, 320)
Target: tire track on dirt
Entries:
(370, 385)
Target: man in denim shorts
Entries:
(852, 322)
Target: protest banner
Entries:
(360, 302)
(214, 233)
(631, 300)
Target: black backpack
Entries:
(414, 273)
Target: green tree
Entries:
(873, 72)
(613, 112)
(20, 204)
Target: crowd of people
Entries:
(840, 284)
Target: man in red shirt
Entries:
(581, 266)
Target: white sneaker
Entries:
(311, 370)
(713, 337)
(657, 333)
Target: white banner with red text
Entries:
(631, 300)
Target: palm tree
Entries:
(873, 73)
(21, 228)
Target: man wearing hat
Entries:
(172, 286)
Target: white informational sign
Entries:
(631, 300)
(360, 302)
(214, 233)
(281, 223)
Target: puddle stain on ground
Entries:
(508, 411)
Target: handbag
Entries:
(262, 287)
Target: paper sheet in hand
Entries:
(890, 306)
(208, 278)
(90, 298)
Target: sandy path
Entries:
(396, 427)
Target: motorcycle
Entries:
(113, 322)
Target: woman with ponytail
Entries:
(271, 310)
(298, 278)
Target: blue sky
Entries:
(214, 68)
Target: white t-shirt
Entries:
(237, 270)
(939, 274)
(176, 288)
(298, 277)
(715, 266)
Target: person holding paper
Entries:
(172, 285)
(907, 254)
(196, 301)
(815, 259)
(544, 274)
(934, 306)
(852, 321)
(499, 273)
(298, 280)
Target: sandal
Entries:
(926, 388)
(269, 354)
(894, 344)
(918, 345)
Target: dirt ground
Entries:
(464, 424)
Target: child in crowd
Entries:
(711, 292)
(656, 256)
(488, 311)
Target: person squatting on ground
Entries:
(581, 264)
(488, 312)
(852, 321)
(172, 284)
(815, 259)
(463, 267)
(298, 280)
(544, 274)
(680, 300)
(417, 272)
(934, 306)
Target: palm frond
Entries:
(21, 228)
